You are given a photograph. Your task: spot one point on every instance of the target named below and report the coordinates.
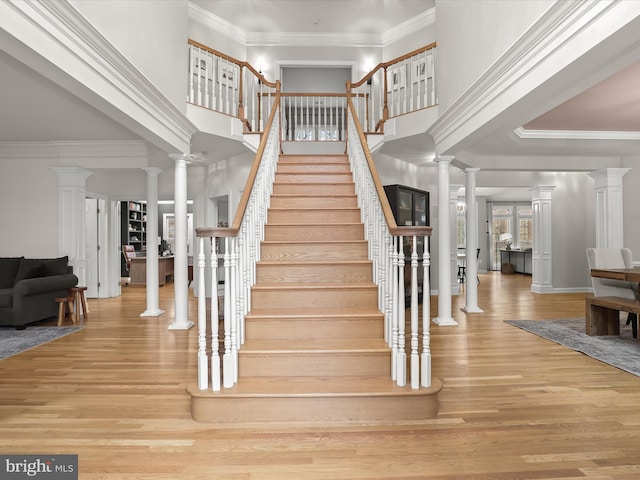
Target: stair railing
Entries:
(403, 85)
(317, 117)
(387, 252)
(241, 253)
(222, 83)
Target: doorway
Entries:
(94, 253)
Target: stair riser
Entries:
(314, 364)
(313, 160)
(232, 411)
(358, 273)
(313, 168)
(317, 178)
(314, 298)
(313, 232)
(311, 217)
(311, 189)
(314, 202)
(292, 328)
(297, 252)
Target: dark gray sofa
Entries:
(29, 286)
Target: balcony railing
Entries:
(233, 87)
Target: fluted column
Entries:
(153, 284)
(471, 220)
(609, 203)
(180, 267)
(444, 244)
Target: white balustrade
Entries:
(386, 252)
(317, 118)
(230, 87)
(241, 253)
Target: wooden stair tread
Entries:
(338, 312)
(314, 262)
(314, 345)
(363, 386)
(312, 286)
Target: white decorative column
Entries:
(180, 267)
(541, 267)
(453, 237)
(471, 220)
(72, 191)
(609, 207)
(444, 244)
(153, 283)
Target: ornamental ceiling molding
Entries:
(575, 135)
(302, 39)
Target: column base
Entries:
(444, 321)
(180, 326)
(152, 313)
(472, 309)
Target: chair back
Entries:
(129, 252)
(611, 258)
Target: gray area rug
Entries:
(14, 341)
(622, 352)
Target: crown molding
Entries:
(556, 33)
(303, 39)
(575, 135)
(80, 51)
(93, 154)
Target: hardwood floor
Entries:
(514, 406)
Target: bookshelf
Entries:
(133, 229)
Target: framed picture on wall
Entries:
(227, 73)
(396, 78)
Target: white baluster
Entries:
(395, 317)
(415, 359)
(199, 73)
(401, 361)
(215, 319)
(234, 308)
(228, 374)
(203, 372)
(191, 96)
(426, 322)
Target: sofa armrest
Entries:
(30, 286)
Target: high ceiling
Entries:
(36, 110)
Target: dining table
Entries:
(625, 274)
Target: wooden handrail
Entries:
(229, 58)
(393, 62)
(394, 229)
(233, 230)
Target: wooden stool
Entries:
(78, 299)
(62, 303)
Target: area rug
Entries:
(14, 341)
(622, 352)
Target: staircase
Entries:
(315, 351)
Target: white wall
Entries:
(315, 79)
(152, 35)
(472, 35)
(29, 213)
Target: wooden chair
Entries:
(129, 252)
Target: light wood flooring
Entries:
(514, 406)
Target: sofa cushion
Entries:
(29, 268)
(8, 270)
(54, 266)
(6, 297)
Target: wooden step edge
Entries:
(315, 209)
(311, 263)
(322, 225)
(311, 242)
(261, 387)
(314, 286)
(325, 314)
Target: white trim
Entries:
(316, 64)
(564, 33)
(575, 135)
(305, 39)
(71, 52)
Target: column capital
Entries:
(444, 158)
(471, 170)
(608, 177)
(182, 157)
(541, 192)
(153, 170)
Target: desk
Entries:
(624, 274)
(520, 259)
(139, 270)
